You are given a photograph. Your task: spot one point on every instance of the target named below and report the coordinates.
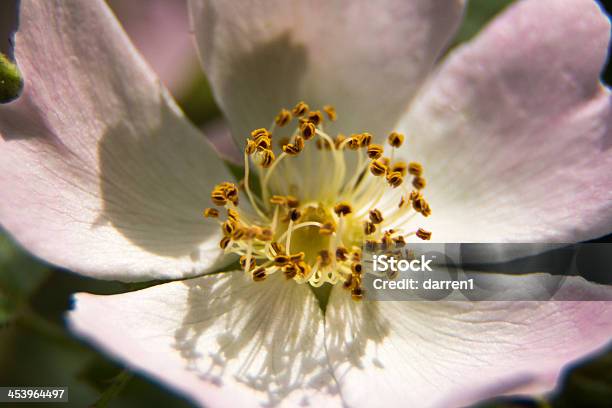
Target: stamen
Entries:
(416, 169)
(300, 109)
(419, 183)
(376, 216)
(378, 168)
(331, 112)
(375, 151)
(342, 208)
(424, 235)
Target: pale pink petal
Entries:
(453, 353)
(221, 340)
(160, 31)
(367, 58)
(515, 130)
(100, 172)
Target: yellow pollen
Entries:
(378, 168)
(211, 213)
(300, 109)
(375, 151)
(425, 235)
(342, 208)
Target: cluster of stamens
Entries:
(318, 239)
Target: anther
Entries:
(228, 227)
(423, 234)
(419, 183)
(294, 214)
(400, 167)
(299, 257)
(277, 248)
(376, 216)
(324, 258)
(331, 112)
(278, 200)
(342, 208)
(281, 260)
(399, 241)
(283, 117)
(267, 158)
(300, 109)
(396, 139)
(292, 202)
(290, 271)
(375, 151)
(232, 214)
(354, 142)
(224, 242)
(327, 229)
(260, 133)
(365, 139)
(341, 253)
(357, 294)
(395, 179)
(377, 168)
(211, 213)
(356, 268)
(369, 227)
(291, 149)
(252, 263)
(315, 117)
(307, 130)
(414, 168)
(259, 274)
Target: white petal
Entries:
(452, 353)
(366, 58)
(515, 130)
(102, 174)
(220, 339)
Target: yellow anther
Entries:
(315, 117)
(369, 227)
(228, 227)
(414, 195)
(377, 168)
(420, 205)
(401, 202)
(354, 142)
(395, 179)
(302, 268)
(375, 151)
(267, 158)
(399, 241)
(357, 294)
(342, 208)
(283, 117)
(253, 262)
(376, 216)
(331, 112)
(233, 214)
(265, 234)
(419, 183)
(327, 229)
(341, 253)
(292, 202)
(259, 274)
(339, 140)
(365, 139)
(423, 234)
(299, 142)
(324, 258)
(294, 214)
(224, 242)
(299, 257)
(218, 197)
(396, 139)
(290, 271)
(291, 149)
(238, 234)
(386, 240)
(263, 143)
(307, 130)
(211, 213)
(280, 260)
(400, 167)
(300, 109)
(259, 133)
(224, 192)
(250, 148)
(348, 283)
(278, 200)
(277, 248)
(414, 168)
(356, 268)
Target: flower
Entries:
(511, 134)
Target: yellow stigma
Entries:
(315, 205)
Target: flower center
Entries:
(313, 200)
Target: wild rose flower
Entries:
(507, 141)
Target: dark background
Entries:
(36, 349)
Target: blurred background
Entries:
(36, 349)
